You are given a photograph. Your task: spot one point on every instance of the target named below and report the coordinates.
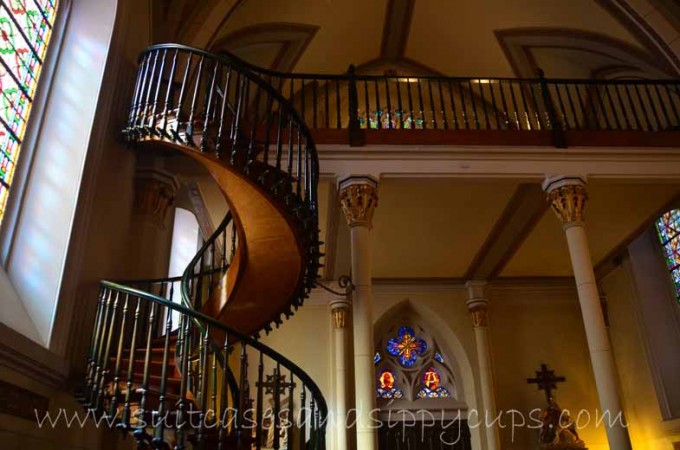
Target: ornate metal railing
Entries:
(390, 102)
(154, 370)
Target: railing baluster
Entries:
(462, 105)
(141, 412)
(132, 355)
(189, 138)
(441, 104)
(161, 412)
(390, 113)
(260, 403)
(505, 104)
(379, 112)
(434, 114)
(183, 344)
(453, 106)
(657, 121)
(649, 126)
(302, 444)
(223, 110)
(577, 124)
(113, 407)
(400, 106)
(139, 88)
(613, 108)
(168, 93)
(224, 399)
(94, 344)
(152, 117)
(483, 101)
(327, 103)
(149, 88)
(277, 407)
(107, 352)
(337, 104)
(368, 107)
(422, 106)
(515, 108)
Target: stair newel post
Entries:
(168, 93)
(142, 415)
(223, 419)
(119, 358)
(105, 359)
(125, 419)
(97, 365)
(356, 138)
(161, 412)
(277, 407)
(183, 344)
(260, 402)
(555, 124)
(223, 110)
(303, 419)
(92, 358)
(192, 111)
(182, 95)
(206, 109)
(290, 415)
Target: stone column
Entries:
(567, 196)
(151, 224)
(477, 305)
(339, 311)
(358, 199)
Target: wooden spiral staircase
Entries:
(176, 362)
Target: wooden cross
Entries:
(546, 381)
(270, 384)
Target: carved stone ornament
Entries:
(568, 202)
(339, 317)
(153, 198)
(479, 317)
(358, 202)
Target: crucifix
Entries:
(546, 381)
(271, 383)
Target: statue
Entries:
(558, 431)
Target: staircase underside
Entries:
(267, 272)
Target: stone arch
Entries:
(452, 349)
(595, 52)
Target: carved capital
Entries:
(339, 311)
(358, 199)
(154, 196)
(479, 317)
(567, 197)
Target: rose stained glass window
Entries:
(406, 346)
(25, 31)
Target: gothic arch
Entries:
(445, 339)
(596, 51)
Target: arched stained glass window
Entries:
(25, 31)
(668, 228)
(386, 385)
(432, 385)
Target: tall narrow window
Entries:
(668, 227)
(25, 31)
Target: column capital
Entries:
(358, 199)
(567, 196)
(154, 194)
(477, 302)
(339, 311)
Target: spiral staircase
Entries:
(176, 362)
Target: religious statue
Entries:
(558, 431)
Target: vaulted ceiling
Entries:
(566, 38)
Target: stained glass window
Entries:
(25, 30)
(432, 385)
(439, 358)
(668, 227)
(406, 346)
(377, 358)
(386, 386)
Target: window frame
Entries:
(22, 174)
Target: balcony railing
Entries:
(537, 111)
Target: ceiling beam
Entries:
(521, 215)
(396, 28)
